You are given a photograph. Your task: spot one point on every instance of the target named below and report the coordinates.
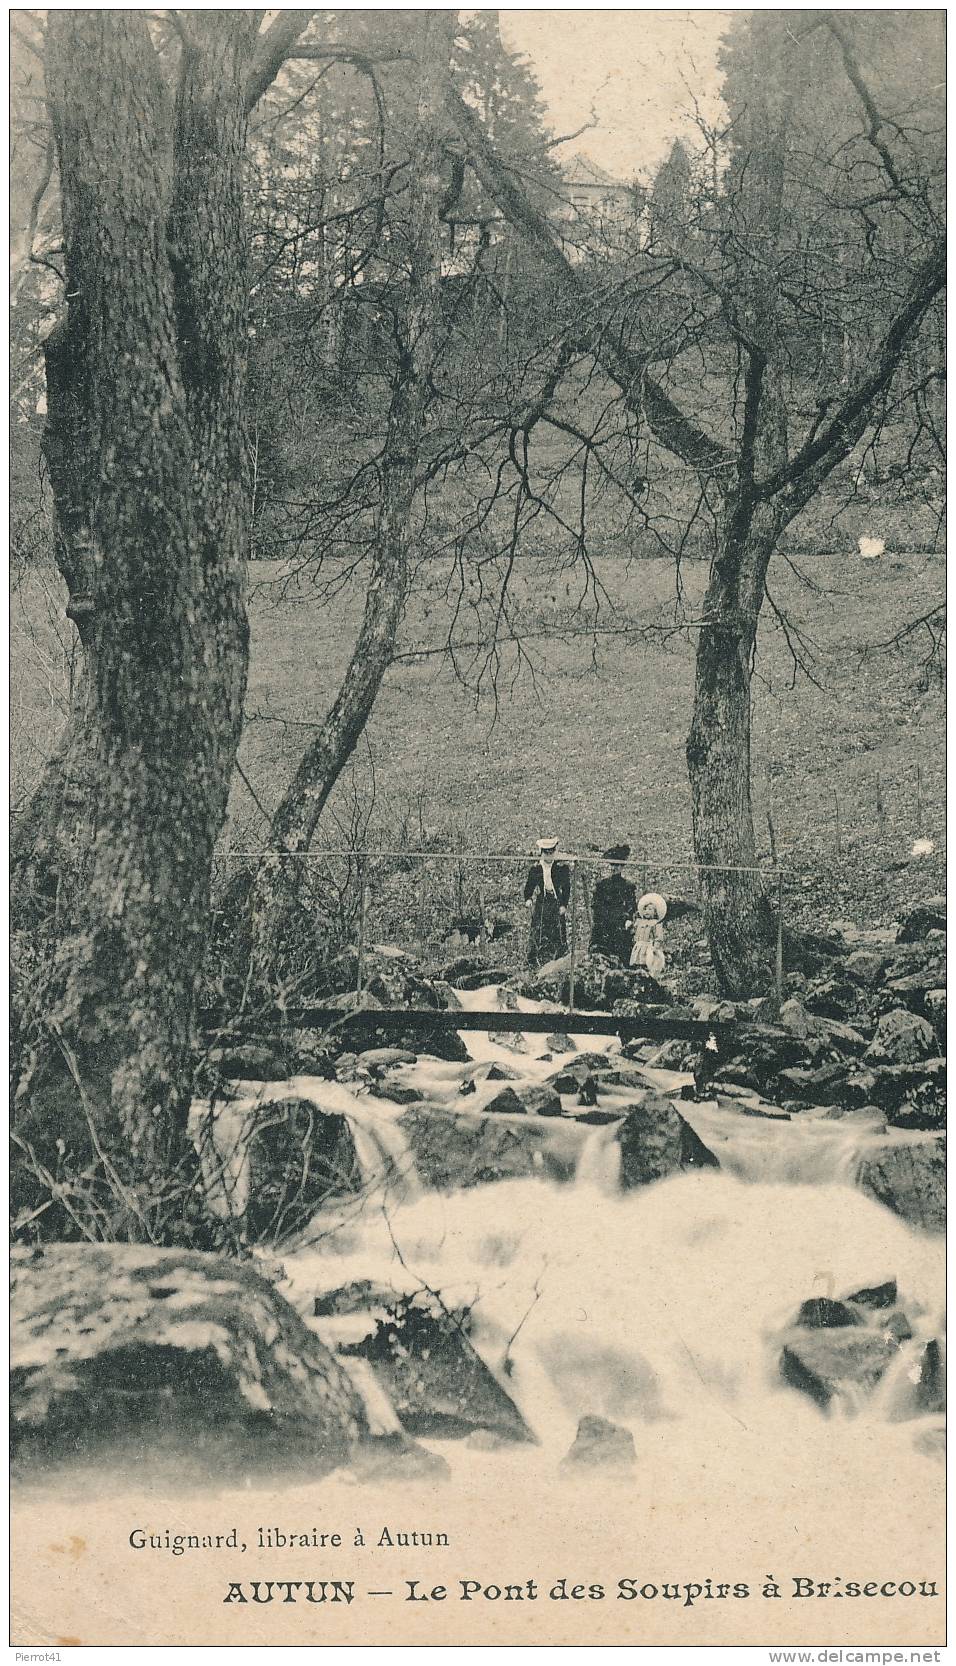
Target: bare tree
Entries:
(417, 327)
(765, 457)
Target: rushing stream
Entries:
(654, 1308)
(663, 1309)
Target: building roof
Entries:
(580, 170)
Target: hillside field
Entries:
(586, 739)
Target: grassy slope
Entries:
(592, 745)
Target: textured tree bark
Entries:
(737, 915)
(298, 814)
(146, 450)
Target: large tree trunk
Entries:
(418, 329)
(146, 432)
(736, 911)
(718, 746)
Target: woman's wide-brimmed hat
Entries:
(617, 853)
(547, 844)
(652, 899)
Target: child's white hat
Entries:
(652, 899)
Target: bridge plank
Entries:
(402, 1019)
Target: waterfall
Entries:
(385, 1159)
(807, 1150)
(222, 1134)
(599, 1165)
(383, 1154)
(664, 1309)
(221, 1137)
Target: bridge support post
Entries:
(778, 962)
(363, 902)
(574, 933)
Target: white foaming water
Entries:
(806, 1150)
(599, 1165)
(531, 1061)
(648, 1307)
(759, 1148)
(659, 1306)
(222, 1138)
(663, 1309)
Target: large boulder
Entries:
(823, 1313)
(655, 1142)
(452, 1149)
(392, 978)
(837, 996)
(869, 966)
(376, 1060)
(836, 1364)
(714, 1011)
(420, 1037)
(121, 1343)
(875, 1298)
(838, 1038)
(758, 1054)
(421, 1355)
(909, 1176)
(902, 1037)
(511, 1040)
(795, 1018)
(577, 1079)
(527, 1099)
(920, 921)
(908, 1095)
(913, 1095)
(600, 984)
(487, 1070)
(561, 1042)
(271, 1164)
(398, 1093)
(625, 1078)
(926, 957)
(600, 1444)
(824, 1085)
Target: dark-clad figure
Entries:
(614, 910)
(547, 893)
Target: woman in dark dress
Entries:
(615, 907)
(547, 893)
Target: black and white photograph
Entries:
(477, 828)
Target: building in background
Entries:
(592, 210)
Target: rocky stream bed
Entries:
(538, 1249)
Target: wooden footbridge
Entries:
(655, 1024)
(400, 1022)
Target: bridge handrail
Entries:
(592, 857)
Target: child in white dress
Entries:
(647, 935)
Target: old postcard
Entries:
(477, 779)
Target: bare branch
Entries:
(271, 52)
(676, 431)
(855, 75)
(816, 457)
(22, 253)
